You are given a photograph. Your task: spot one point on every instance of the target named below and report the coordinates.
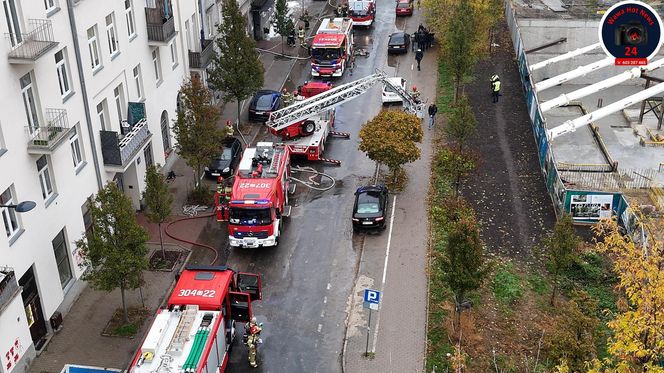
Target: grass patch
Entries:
(538, 284)
(591, 272)
(445, 89)
(117, 327)
(506, 285)
(200, 196)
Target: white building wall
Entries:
(15, 341)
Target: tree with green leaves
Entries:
(458, 43)
(561, 247)
(461, 123)
(198, 135)
(463, 265)
(158, 200)
(282, 22)
(236, 69)
(391, 138)
(114, 251)
(455, 164)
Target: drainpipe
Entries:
(84, 92)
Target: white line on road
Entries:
(322, 314)
(325, 300)
(320, 327)
(329, 286)
(382, 285)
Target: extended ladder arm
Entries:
(334, 97)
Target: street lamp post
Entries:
(24, 206)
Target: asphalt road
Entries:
(308, 278)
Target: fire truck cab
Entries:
(362, 12)
(196, 330)
(259, 197)
(332, 47)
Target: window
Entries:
(62, 258)
(102, 114)
(147, 154)
(93, 48)
(187, 34)
(174, 53)
(29, 102)
(156, 63)
(87, 217)
(118, 94)
(13, 23)
(138, 80)
(44, 177)
(63, 75)
(49, 5)
(75, 145)
(112, 35)
(9, 215)
(129, 15)
(208, 20)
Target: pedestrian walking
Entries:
(416, 41)
(300, 36)
(428, 39)
(418, 57)
(421, 28)
(433, 109)
(495, 88)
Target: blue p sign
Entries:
(371, 296)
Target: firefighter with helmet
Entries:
(225, 192)
(252, 332)
(415, 94)
(300, 36)
(228, 129)
(287, 97)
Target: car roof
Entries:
(395, 80)
(229, 141)
(398, 33)
(265, 92)
(371, 188)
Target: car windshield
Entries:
(368, 203)
(242, 216)
(264, 102)
(397, 39)
(326, 54)
(403, 5)
(226, 155)
(358, 12)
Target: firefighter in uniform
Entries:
(225, 191)
(253, 331)
(300, 36)
(287, 97)
(228, 129)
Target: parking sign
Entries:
(371, 299)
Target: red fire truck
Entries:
(362, 12)
(332, 47)
(196, 330)
(258, 200)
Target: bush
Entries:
(506, 285)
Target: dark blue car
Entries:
(264, 102)
(370, 208)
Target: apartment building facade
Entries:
(89, 92)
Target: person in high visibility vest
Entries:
(495, 88)
(300, 36)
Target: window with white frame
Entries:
(93, 48)
(112, 35)
(61, 66)
(187, 33)
(75, 146)
(102, 114)
(45, 180)
(118, 95)
(156, 63)
(208, 20)
(129, 16)
(62, 258)
(12, 15)
(174, 53)
(29, 102)
(49, 5)
(138, 81)
(9, 218)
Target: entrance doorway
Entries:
(33, 308)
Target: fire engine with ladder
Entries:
(257, 202)
(195, 332)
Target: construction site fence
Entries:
(588, 205)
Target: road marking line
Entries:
(322, 314)
(325, 300)
(382, 285)
(320, 327)
(329, 286)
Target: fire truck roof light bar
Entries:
(334, 97)
(566, 98)
(563, 57)
(573, 125)
(579, 71)
(250, 202)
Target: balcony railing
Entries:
(160, 25)
(45, 139)
(8, 287)
(119, 151)
(27, 48)
(200, 60)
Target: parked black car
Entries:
(399, 42)
(264, 102)
(370, 208)
(225, 163)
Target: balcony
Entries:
(27, 48)
(119, 152)
(9, 288)
(45, 139)
(160, 22)
(200, 60)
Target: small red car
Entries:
(404, 8)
